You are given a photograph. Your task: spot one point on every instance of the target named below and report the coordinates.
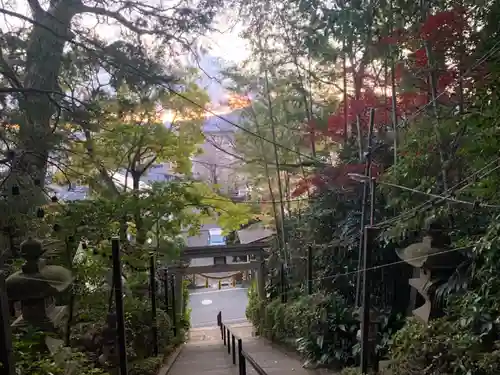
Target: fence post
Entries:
(174, 311)
(283, 283)
(234, 349)
(6, 353)
(120, 319)
(152, 286)
(165, 287)
(224, 334)
(309, 270)
(241, 358)
(228, 342)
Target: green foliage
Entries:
(148, 366)
(186, 316)
(321, 327)
(32, 357)
(91, 318)
(443, 347)
(351, 371)
(465, 341)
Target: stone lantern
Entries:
(36, 286)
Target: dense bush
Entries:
(91, 319)
(186, 316)
(32, 357)
(443, 347)
(321, 327)
(148, 366)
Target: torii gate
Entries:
(183, 268)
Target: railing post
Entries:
(219, 318)
(241, 358)
(228, 342)
(224, 334)
(234, 349)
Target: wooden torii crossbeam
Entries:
(256, 248)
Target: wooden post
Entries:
(309, 270)
(174, 310)
(261, 278)
(165, 287)
(6, 359)
(120, 318)
(152, 287)
(283, 284)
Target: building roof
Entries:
(253, 233)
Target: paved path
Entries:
(272, 360)
(206, 303)
(205, 354)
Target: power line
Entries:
(482, 59)
(441, 197)
(381, 266)
(472, 178)
(153, 78)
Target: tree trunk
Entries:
(139, 224)
(43, 64)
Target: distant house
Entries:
(211, 235)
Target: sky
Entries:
(224, 46)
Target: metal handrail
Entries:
(230, 340)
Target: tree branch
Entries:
(116, 16)
(36, 9)
(8, 72)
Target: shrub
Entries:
(148, 366)
(351, 371)
(91, 320)
(321, 327)
(444, 347)
(31, 357)
(186, 316)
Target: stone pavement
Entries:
(205, 354)
(273, 360)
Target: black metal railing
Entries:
(230, 341)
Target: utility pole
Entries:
(366, 186)
(368, 323)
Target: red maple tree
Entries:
(443, 35)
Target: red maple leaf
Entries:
(421, 59)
